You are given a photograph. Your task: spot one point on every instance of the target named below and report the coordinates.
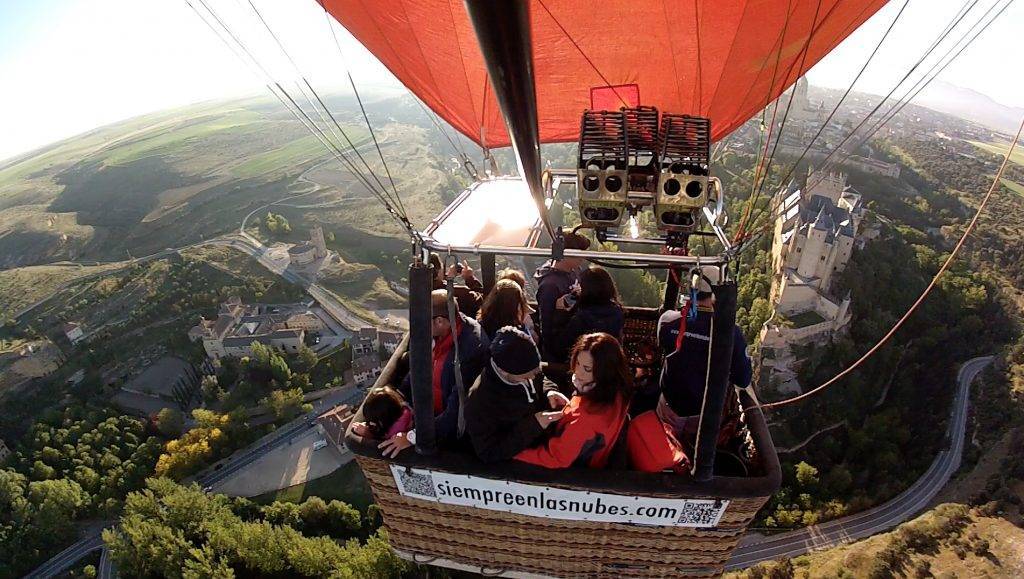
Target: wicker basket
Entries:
(501, 543)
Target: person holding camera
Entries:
(593, 306)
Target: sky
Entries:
(72, 65)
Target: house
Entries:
(4, 451)
(365, 342)
(390, 340)
(239, 326)
(307, 321)
(365, 369)
(73, 331)
(333, 423)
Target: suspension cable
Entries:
(467, 163)
(842, 99)
(928, 77)
(761, 171)
(945, 266)
(362, 109)
(924, 56)
(773, 207)
(396, 198)
(281, 94)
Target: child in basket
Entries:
(385, 414)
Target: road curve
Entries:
(885, 516)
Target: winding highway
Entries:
(754, 550)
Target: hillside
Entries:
(972, 105)
(950, 541)
(174, 178)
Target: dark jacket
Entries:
(551, 284)
(569, 326)
(683, 372)
(500, 416)
(473, 354)
(584, 437)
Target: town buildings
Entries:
(239, 326)
(333, 423)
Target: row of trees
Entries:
(169, 530)
(74, 463)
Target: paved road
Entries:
(241, 459)
(885, 516)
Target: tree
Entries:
(305, 360)
(806, 475)
(170, 422)
(170, 530)
(284, 404)
(210, 388)
(57, 502)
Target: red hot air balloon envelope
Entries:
(721, 59)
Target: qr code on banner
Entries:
(415, 483)
(701, 514)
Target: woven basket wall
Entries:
(498, 541)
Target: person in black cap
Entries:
(685, 367)
(507, 410)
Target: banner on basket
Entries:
(555, 503)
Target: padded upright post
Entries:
(718, 381)
(419, 356)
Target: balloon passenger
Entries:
(507, 411)
(684, 370)
(473, 345)
(469, 294)
(554, 279)
(596, 416)
(504, 306)
(596, 309)
(385, 414)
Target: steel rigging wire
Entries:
(954, 22)
(362, 109)
(903, 100)
(894, 110)
(243, 53)
(922, 83)
(782, 126)
(996, 181)
(396, 198)
(849, 89)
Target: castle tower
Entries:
(814, 247)
(316, 237)
(800, 100)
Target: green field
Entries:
(1013, 186)
(1000, 150)
(21, 287)
(177, 177)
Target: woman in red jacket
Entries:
(596, 415)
